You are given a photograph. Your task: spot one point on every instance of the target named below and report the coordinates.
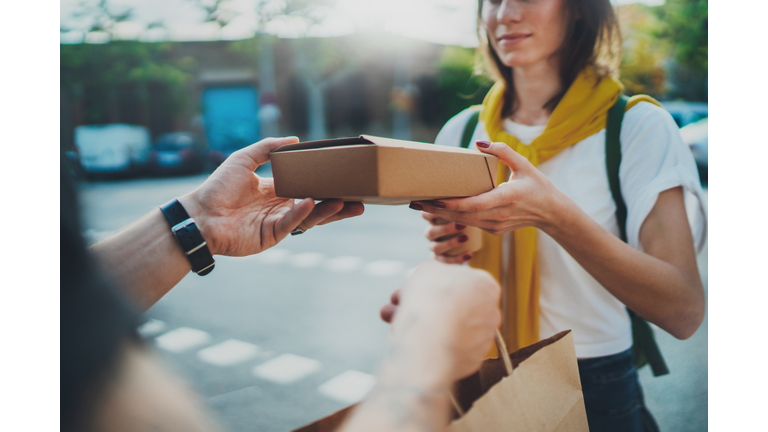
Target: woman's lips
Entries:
(510, 39)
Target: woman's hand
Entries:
(238, 213)
(527, 199)
(444, 236)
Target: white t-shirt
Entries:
(654, 159)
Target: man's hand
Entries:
(238, 213)
(444, 319)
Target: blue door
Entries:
(230, 115)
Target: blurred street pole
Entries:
(269, 112)
(402, 98)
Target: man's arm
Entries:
(237, 214)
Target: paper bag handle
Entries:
(503, 353)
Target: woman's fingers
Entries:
(441, 247)
(434, 232)
(395, 298)
(462, 208)
(388, 312)
(434, 220)
(460, 259)
(516, 162)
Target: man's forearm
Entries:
(143, 259)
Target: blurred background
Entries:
(156, 94)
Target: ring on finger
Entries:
(298, 230)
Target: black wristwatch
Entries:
(189, 237)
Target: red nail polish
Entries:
(460, 227)
(467, 257)
(438, 204)
(416, 206)
(462, 238)
(483, 144)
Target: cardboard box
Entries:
(376, 170)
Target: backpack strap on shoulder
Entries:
(469, 128)
(645, 350)
(613, 160)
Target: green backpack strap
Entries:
(645, 350)
(469, 128)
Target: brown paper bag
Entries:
(542, 393)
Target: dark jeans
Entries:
(612, 395)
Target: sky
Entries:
(449, 22)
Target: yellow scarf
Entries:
(581, 113)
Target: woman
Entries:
(550, 231)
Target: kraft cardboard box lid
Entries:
(368, 140)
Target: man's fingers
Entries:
(321, 212)
(351, 209)
(258, 153)
(293, 217)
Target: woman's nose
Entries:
(509, 11)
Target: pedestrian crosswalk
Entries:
(348, 387)
(287, 368)
(228, 353)
(182, 339)
(339, 264)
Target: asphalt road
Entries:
(277, 340)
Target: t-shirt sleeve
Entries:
(655, 159)
(450, 135)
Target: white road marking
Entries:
(182, 339)
(349, 387)
(286, 368)
(384, 268)
(151, 328)
(228, 353)
(306, 259)
(343, 264)
(272, 256)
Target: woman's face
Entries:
(525, 32)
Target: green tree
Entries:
(105, 74)
(643, 63)
(685, 23)
(461, 86)
(686, 29)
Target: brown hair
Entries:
(593, 40)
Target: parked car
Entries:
(686, 113)
(176, 153)
(696, 136)
(72, 164)
(112, 149)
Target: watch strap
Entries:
(188, 235)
